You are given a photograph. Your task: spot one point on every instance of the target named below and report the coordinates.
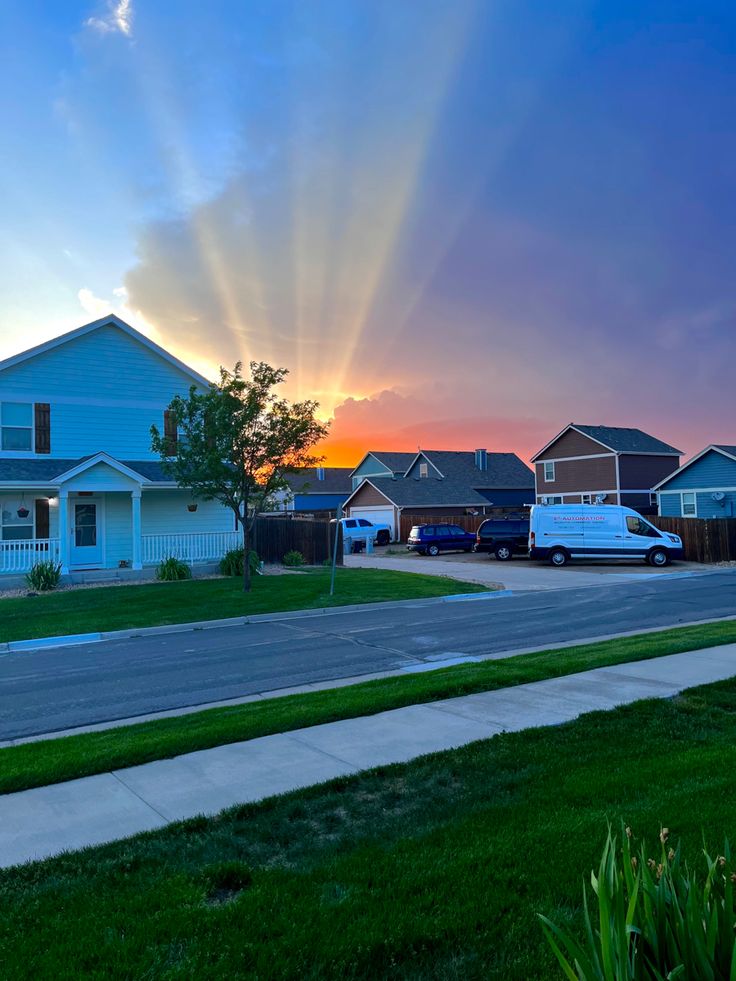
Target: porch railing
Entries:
(22, 555)
(198, 547)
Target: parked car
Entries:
(360, 530)
(433, 539)
(504, 537)
(560, 532)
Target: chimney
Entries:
(481, 459)
(320, 473)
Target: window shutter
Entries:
(170, 436)
(42, 518)
(42, 413)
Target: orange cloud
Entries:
(392, 421)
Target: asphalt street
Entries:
(53, 689)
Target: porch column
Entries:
(137, 540)
(64, 531)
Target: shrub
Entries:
(293, 558)
(232, 562)
(44, 575)
(173, 570)
(655, 918)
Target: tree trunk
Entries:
(246, 550)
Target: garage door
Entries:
(378, 515)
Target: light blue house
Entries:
(78, 480)
(704, 487)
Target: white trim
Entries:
(688, 490)
(716, 449)
(98, 499)
(423, 453)
(19, 454)
(695, 504)
(109, 321)
(106, 459)
(371, 453)
(572, 459)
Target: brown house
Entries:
(608, 464)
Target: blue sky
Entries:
(457, 223)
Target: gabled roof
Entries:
(394, 461)
(723, 448)
(427, 492)
(617, 439)
(92, 461)
(504, 471)
(109, 321)
(336, 480)
(51, 472)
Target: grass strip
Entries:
(432, 870)
(158, 604)
(56, 760)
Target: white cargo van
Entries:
(560, 532)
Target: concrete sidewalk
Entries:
(42, 822)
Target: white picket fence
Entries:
(206, 546)
(20, 556)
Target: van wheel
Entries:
(659, 558)
(558, 557)
(434, 550)
(503, 553)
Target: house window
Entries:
(549, 472)
(689, 509)
(423, 470)
(587, 498)
(12, 527)
(16, 426)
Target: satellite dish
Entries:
(718, 496)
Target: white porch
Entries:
(104, 518)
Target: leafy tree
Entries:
(236, 442)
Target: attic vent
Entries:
(423, 470)
(481, 459)
(320, 473)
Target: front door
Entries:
(86, 537)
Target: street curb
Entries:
(72, 640)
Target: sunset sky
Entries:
(459, 223)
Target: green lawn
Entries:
(52, 761)
(430, 870)
(154, 604)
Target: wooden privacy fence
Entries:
(703, 539)
(274, 537)
(468, 522)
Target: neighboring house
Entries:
(704, 487)
(444, 482)
(583, 464)
(315, 489)
(379, 464)
(78, 481)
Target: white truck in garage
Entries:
(560, 532)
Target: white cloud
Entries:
(97, 307)
(119, 17)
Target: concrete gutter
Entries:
(71, 640)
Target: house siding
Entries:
(712, 470)
(94, 406)
(670, 505)
(432, 470)
(642, 472)
(368, 496)
(572, 443)
(578, 476)
(318, 502)
(165, 512)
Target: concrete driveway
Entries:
(520, 574)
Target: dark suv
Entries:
(433, 539)
(505, 537)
